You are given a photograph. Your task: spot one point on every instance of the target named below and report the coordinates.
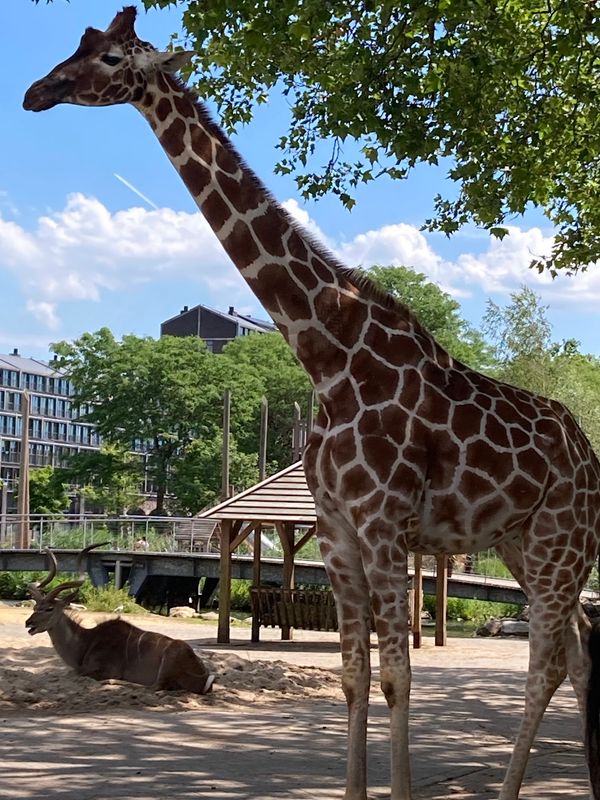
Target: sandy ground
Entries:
(274, 726)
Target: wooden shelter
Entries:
(283, 502)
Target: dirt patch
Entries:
(33, 677)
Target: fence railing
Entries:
(154, 534)
(186, 534)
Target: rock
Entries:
(492, 627)
(183, 612)
(514, 627)
(523, 614)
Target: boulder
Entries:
(492, 627)
(184, 612)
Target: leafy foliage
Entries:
(48, 491)
(110, 477)
(506, 93)
(196, 478)
(161, 393)
(528, 357)
(280, 379)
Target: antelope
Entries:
(113, 649)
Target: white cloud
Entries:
(84, 251)
(44, 312)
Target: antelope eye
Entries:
(112, 61)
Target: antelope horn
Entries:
(75, 584)
(34, 588)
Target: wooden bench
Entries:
(296, 608)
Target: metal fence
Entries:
(153, 534)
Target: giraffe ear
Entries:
(172, 61)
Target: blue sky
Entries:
(80, 250)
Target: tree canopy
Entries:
(505, 93)
(527, 357)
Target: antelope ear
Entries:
(172, 61)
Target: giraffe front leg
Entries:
(389, 597)
(344, 568)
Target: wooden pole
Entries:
(226, 428)
(417, 601)
(286, 534)
(224, 583)
(296, 433)
(255, 635)
(441, 599)
(23, 498)
(262, 446)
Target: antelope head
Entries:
(49, 606)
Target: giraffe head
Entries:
(109, 67)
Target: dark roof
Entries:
(249, 322)
(30, 365)
(284, 497)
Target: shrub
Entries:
(107, 599)
(472, 610)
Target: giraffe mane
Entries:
(354, 276)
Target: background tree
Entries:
(281, 379)
(196, 477)
(48, 491)
(528, 357)
(160, 394)
(110, 478)
(521, 335)
(436, 310)
(507, 91)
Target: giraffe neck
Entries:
(318, 309)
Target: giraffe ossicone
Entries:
(411, 450)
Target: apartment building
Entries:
(54, 428)
(215, 327)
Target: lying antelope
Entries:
(113, 649)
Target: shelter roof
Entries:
(284, 497)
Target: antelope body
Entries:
(114, 649)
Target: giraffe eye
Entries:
(112, 61)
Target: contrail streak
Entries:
(135, 191)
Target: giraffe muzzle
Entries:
(46, 93)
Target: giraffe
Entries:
(411, 449)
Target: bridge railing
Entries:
(187, 534)
(155, 534)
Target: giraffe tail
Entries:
(592, 722)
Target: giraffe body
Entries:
(411, 449)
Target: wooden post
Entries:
(226, 427)
(297, 433)
(255, 635)
(224, 583)
(286, 534)
(417, 601)
(441, 599)
(23, 499)
(262, 446)
(310, 414)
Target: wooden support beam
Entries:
(243, 534)
(304, 539)
(417, 601)
(255, 635)
(286, 534)
(441, 599)
(223, 631)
